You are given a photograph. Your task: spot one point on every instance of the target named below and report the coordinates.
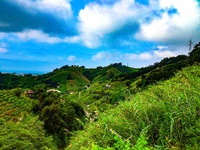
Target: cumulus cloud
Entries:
(107, 56)
(145, 56)
(130, 56)
(173, 27)
(71, 58)
(140, 56)
(47, 15)
(137, 59)
(153, 55)
(61, 8)
(133, 59)
(105, 22)
(155, 21)
(40, 37)
(163, 54)
(37, 35)
(96, 21)
(102, 56)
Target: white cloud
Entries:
(61, 8)
(41, 37)
(145, 56)
(119, 56)
(3, 50)
(179, 26)
(71, 58)
(130, 56)
(102, 56)
(163, 54)
(96, 21)
(140, 56)
(136, 59)
(38, 36)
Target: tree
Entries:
(52, 117)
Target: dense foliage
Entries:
(60, 117)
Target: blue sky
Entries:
(41, 35)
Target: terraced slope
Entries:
(13, 107)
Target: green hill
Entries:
(119, 107)
(167, 114)
(75, 78)
(70, 79)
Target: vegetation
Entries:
(13, 105)
(112, 107)
(60, 117)
(18, 119)
(26, 134)
(167, 112)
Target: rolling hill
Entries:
(116, 107)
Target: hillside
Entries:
(19, 127)
(167, 114)
(13, 106)
(38, 121)
(112, 86)
(66, 79)
(117, 107)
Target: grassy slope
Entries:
(97, 94)
(107, 75)
(168, 112)
(13, 107)
(20, 129)
(77, 79)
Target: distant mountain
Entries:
(75, 78)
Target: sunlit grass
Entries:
(169, 111)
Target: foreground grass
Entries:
(167, 114)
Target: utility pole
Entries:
(190, 45)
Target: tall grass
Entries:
(168, 111)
